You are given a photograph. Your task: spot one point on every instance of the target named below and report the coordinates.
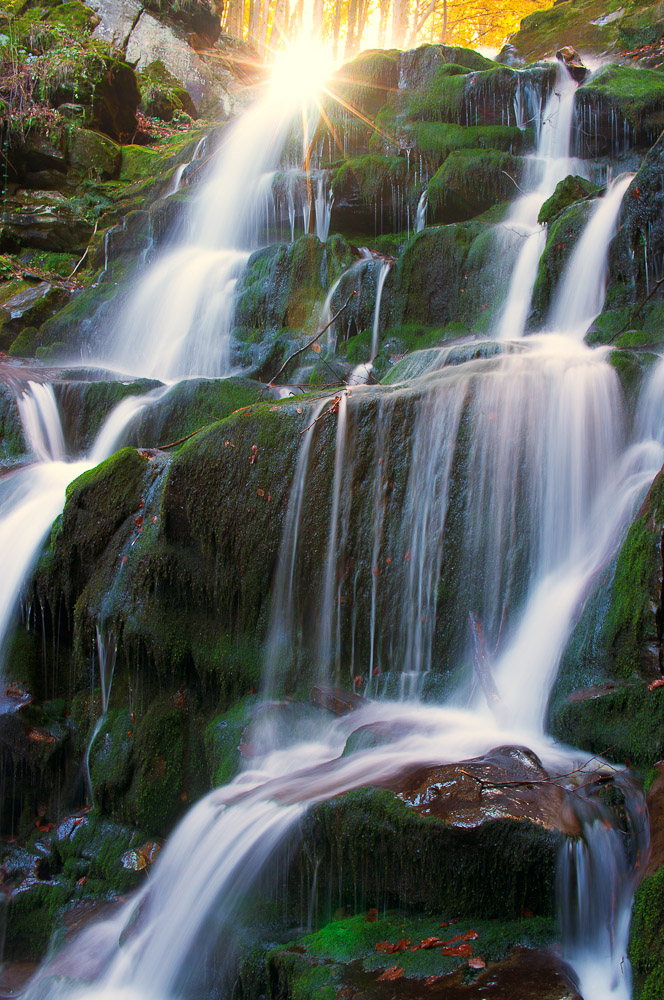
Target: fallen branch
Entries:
(310, 343)
(540, 781)
(637, 310)
(85, 254)
(172, 444)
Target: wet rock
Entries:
(655, 802)
(335, 699)
(507, 782)
(31, 306)
(571, 60)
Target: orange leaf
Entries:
(460, 950)
(476, 962)
(316, 348)
(656, 684)
(260, 492)
(431, 980)
(394, 972)
(470, 936)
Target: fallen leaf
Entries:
(82, 880)
(476, 962)
(298, 409)
(394, 972)
(260, 492)
(372, 915)
(138, 520)
(470, 935)
(656, 684)
(460, 950)
(316, 348)
(431, 980)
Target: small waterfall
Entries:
(40, 418)
(380, 282)
(323, 205)
(580, 294)
(32, 497)
(328, 639)
(597, 875)
(107, 649)
(280, 638)
(421, 217)
(548, 166)
(178, 320)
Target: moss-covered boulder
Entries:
(471, 181)
(621, 105)
(568, 191)
(646, 939)
(601, 700)
(562, 237)
(93, 155)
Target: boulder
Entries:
(151, 40)
(94, 155)
(571, 60)
(115, 100)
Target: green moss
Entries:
(296, 966)
(568, 191)
(222, 741)
(436, 140)
(33, 916)
(470, 181)
(371, 850)
(631, 624)
(624, 725)
(563, 235)
(111, 762)
(646, 939)
(636, 93)
(167, 773)
(12, 443)
(25, 345)
(370, 175)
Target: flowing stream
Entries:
(522, 461)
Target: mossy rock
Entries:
(436, 140)
(111, 762)
(321, 963)
(635, 94)
(471, 181)
(168, 773)
(369, 849)
(92, 154)
(568, 191)
(646, 939)
(563, 235)
(12, 443)
(367, 80)
(25, 345)
(223, 735)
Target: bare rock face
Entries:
(151, 41)
(571, 59)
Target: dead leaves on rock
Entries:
(458, 946)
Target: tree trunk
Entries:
(382, 25)
(336, 28)
(399, 23)
(349, 50)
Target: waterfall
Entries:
(596, 882)
(548, 166)
(323, 205)
(178, 320)
(421, 217)
(33, 496)
(580, 293)
(380, 282)
(107, 650)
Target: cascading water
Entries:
(107, 650)
(178, 321)
(542, 424)
(580, 295)
(33, 496)
(547, 167)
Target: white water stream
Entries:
(550, 164)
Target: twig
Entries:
(301, 350)
(172, 444)
(513, 182)
(87, 250)
(538, 781)
(635, 312)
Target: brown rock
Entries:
(571, 59)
